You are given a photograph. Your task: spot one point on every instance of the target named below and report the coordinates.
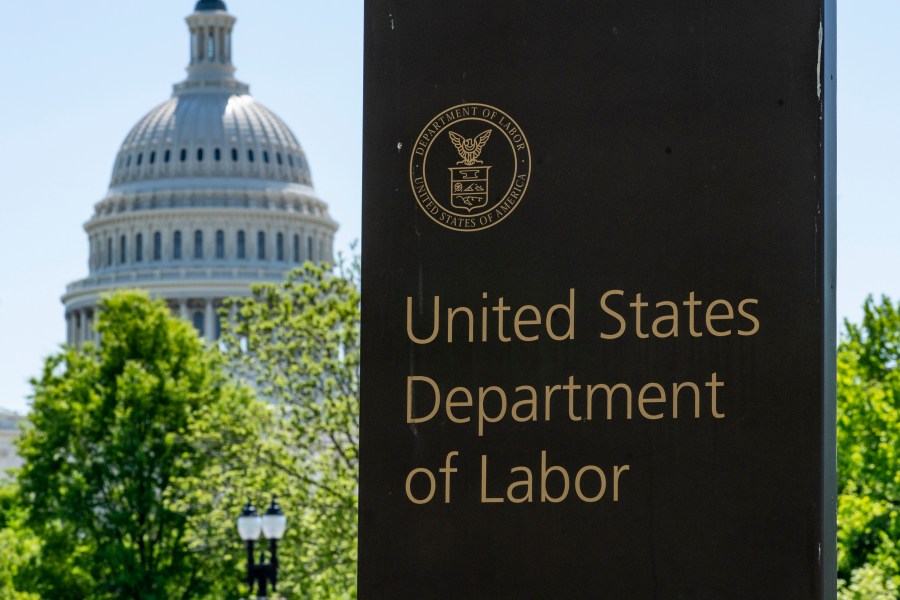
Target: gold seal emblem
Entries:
(470, 167)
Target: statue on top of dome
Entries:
(210, 5)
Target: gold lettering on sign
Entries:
(718, 319)
(491, 322)
(463, 405)
(485, 408)
(589, 484)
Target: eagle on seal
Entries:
(470, 148)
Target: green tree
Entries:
(132, 449)
(869, 454)
(299, 342)
(18, 546)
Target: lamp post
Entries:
(272, 525)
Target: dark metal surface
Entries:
(683, 151)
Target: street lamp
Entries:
(272, 526)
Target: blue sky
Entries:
(78, 75)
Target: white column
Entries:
(83, 334)
(70, 328)
(210, 324)
(88, 325)
(182, 309)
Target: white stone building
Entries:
(9, 430)
(210, 192)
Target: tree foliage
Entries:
(299, 342)
(132, 449)
(869, 454)
(18, 546)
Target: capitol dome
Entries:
(213, 134)
(210, 192)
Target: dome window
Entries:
(109, 252)
(140, 158)
(250, 155)
(241, 244)
(234, 154)
(176, 245)
(128, 162)
(123, 250)
(167, 156)
(153, 157)
(279, 246)
(198, 244)
(261, 245)
(183, 154)
(139, 248)
(200, 154)
(157, 246)
(266, 156)
(291, 159)
(210, 47)
(278, 157)
(296, 248)
(217, 154)
(220, 244)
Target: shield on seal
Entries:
(469, 187)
